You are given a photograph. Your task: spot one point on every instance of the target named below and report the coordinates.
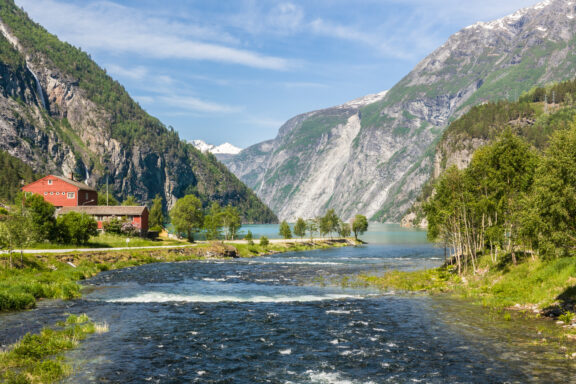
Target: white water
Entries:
(161, 297)
(39, 90)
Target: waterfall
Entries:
(38, 88)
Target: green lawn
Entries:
(105, 240)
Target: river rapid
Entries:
(285, 319)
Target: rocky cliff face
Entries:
(373, 156)
(53, 117)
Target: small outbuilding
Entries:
(137, 215)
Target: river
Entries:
(285, 319)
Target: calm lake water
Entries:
(285, 319)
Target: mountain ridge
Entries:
(381, 154)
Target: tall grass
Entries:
(37, 358)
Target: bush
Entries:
(129, 229)
(113, 225)
(74, 227)
(264, 241)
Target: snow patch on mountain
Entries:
(222, 149)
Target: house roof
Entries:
(78, 185)
(103, 210)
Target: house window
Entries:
(51, 193)
(49, 182)
(70, 195)
(45, 193)
(57, 193)
(86, 195)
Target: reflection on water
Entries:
(270, 320)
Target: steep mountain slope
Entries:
(534, 118)
(373, 158)
(61, 113)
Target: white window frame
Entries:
(50, 181)
(71, 195)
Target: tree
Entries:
(230, 219)
(359, 225)
(76, 228)
(330, 222)
(285, 231)
(213, 222)
(344, 229)
(312, 227)
(187, 216)
(323, 226)
(300, 228)
(15, 233)
(249, 237)
(41, 214)
(156, 214)
(130, 201)
(555, 194)
(106, 198)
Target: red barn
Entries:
(137, 215)
(63, 192)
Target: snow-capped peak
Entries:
(222, 149)
(506, 21)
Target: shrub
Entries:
(76, 227)
(264, 241)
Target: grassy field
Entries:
(547, 287)
(105, 240)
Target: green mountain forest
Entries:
(153, 159)
(517, 194)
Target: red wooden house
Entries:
(137, 215)
(63, 192)
(68, 195)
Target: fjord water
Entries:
(286, 319)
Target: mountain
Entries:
(222, 151)
(61, 113)
(373, 156)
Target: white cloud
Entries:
(136, 73)
(265, 122)
(114, 28)
(197, 105)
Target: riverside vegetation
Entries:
(37, 358)
(508, 218)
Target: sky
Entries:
(236, 70)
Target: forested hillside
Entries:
(61, 113)
(533, 118)
(12, 173)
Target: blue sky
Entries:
(235, 70)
